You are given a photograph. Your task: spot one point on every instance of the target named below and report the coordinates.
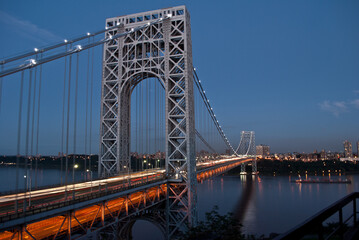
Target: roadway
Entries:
(86, 216)
(48, 196)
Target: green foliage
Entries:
(216, 227)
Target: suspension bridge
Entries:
(159, 136)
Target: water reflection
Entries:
(241, 208)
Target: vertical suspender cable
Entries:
(156, 115)
(63, 120)
(2, 69)
(138, 119)
(33, 115)
(136, 125)
(32, 131)
(75, 120)
(38, 125)
(91, 96)
(147, 113)
(87, 102)
(27, 137)
(163, 120)
(67, 126)
(19, 140)
(141, 117)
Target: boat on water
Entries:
(346, 181)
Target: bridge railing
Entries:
(313, 226)
(96, 192)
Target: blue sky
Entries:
(287, 70)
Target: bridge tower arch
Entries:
(163, 50)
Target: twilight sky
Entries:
(288, 70)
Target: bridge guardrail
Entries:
(78, 199)
(314, 225)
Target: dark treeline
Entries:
(286, 167)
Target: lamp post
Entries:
(144, 161)
(73, 180)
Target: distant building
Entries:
(263, 150)
(323, 155)
(348, 151)
(228, 151)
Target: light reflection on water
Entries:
(271, 203)
(264, 204)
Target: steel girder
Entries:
(94, 221)
(164, 51)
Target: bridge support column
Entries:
(243, 169)
(254, 166)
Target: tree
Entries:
(216, 227)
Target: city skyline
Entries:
(287, 71)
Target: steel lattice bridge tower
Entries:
(154, 45)
(247, 147)
(162, 50)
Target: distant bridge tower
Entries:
(164, 51)
(247, 147)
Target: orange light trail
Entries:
(85, 217)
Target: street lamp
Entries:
(144, 161)
(73, 180)
(73, 172)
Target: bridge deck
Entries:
(122, 195)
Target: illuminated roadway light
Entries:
(65, 40)
(148, 24)
(88, 34)
(194, 69)
(77, 48)
(35, 49)
(169, 15)
(118, 23)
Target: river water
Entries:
(263, 204)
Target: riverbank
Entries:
(285, 167)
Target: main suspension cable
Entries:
(78, 48)
(210, 111)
